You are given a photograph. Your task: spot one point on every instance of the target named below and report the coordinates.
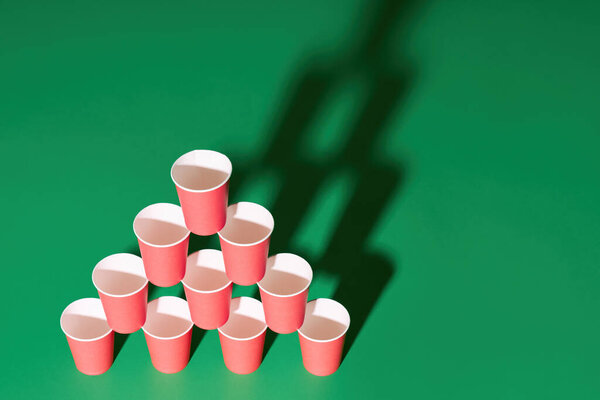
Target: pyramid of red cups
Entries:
(201, 178)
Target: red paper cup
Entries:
(168, 331)
(163, 239)
(89, 336)
(245, 242)
(202, 181)
(207, 288)
(284, 291)
(123, 289)
(243, 336)
(322, 336)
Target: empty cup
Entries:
(168, 331)
(202, 181)
(245, 242)
(322, 336)
(163, 239)
(207, 288)
(123, 289)
(284, 290)
(89, 336)
(243, 336)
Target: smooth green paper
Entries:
(436, 163)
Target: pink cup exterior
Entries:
(245, 265)
(209, 310)
(93, 357)
(165, 266)
(242, 356)
(321, 358)
(284, 314)
(125, 314)
(170, 355)
(204, 212)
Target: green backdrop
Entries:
(437, 163)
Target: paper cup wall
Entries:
(284, 290)
(168, 332)
(245, 242)
(163, 239)
(322, 336)
(89, 336)
(207, 288)
(123, 289)
(243, 336)
(202, 181)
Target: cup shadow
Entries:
(270, 337)
(348, 254)
(197, 336)
(120, 339)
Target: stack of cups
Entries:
(201, 178)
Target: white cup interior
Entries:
(205, 271)
(246, 319)
(160, 224)
(201, 170)
(286, 275)
(247, 223)
(84, 320)
(325, 320)
(168, 318)
(119, 275)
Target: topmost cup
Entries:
(202, 181)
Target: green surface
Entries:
(436, 162)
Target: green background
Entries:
(437, 163)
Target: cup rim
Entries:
(206, 291)
(295, 293)
(253, 243)
(118, 295)
(169, 337)
(332, 339)
(202, 190)
(79, 339)
(243, 339)
(158, 245)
